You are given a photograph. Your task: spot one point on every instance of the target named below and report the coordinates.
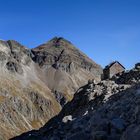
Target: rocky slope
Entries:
(66, 68)
(102, 111)
(129, 77)
(25, 100)
(30, 84)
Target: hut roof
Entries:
(112, 63)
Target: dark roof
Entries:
(112, 63)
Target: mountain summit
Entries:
(66, 68)
(61, 53)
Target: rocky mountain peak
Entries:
(56, 43)
(65, 66)
(17, 47)
(59, 41)
(59, 51)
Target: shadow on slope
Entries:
(92, 119)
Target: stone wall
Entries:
(112, 70)
(115, 69)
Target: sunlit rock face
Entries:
(66, 67)
(35, 84)
(26, 102)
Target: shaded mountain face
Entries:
(35, 84)
(102, 111)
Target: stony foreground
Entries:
(102, 111)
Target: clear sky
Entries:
(105, 30)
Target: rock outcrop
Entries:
(129, 77)
(35, 84)
(98, 111)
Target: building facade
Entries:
(113, 69)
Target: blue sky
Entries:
(105, 30)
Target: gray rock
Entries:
(3, 56)
(67, 119)
(14, 67)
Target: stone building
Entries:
(137, 66)
(112, 69)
